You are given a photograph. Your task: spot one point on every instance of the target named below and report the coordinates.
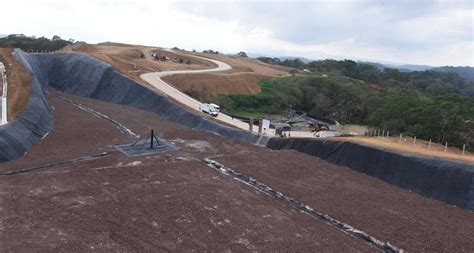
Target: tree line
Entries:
(34, 44)
(429, 105)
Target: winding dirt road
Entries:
(155, 80)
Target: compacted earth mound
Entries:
(75, 191)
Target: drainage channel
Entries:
(117, 124)
(346, 228)
(53, 165)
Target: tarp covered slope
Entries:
(449, 181)
(33, 123)
(86, 76)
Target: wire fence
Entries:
(412, 140)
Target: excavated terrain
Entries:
(51, 200)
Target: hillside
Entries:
(465, 72)
(429, 104)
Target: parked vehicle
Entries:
(216, 107)
(209, 109)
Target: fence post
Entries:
(401, 135)
(463, 149)
(383, 133)
(388, 134)
(446, 147)
(429, 145)
(414, 141)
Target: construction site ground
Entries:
(241, 79)
(18, 83)
(129, 61)
(175, 202)
(406, 146)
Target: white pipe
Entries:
(4, 115)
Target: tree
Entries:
(241, 54)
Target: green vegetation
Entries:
(34, 44)
(428, 104)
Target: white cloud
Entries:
(419, 32)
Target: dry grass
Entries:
(243, 78)
(18, 84)
(236, 83)
(244, 64)
(406, 146)
(127, 58)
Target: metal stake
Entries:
(151, 137)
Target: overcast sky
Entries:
(416, 32)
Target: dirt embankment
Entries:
(241, 79)
(134, 60)
(235, 83)
(18, 83)
(406, 146)
(174, 202)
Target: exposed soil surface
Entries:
(241, 79)
(231, 83)
(18, 84)
(134, 60)
(406, 146)
(173, 201)
(244, 64)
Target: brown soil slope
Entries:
(242, 79)
(18, 84)
(174, 202)
(406, 146)
(134, 60)
(230, 83)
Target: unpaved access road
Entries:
(155, 80)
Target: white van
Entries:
(216, 107)
(209, 109)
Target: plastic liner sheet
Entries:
(33, 123)
(448, 181)
(86, 76)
